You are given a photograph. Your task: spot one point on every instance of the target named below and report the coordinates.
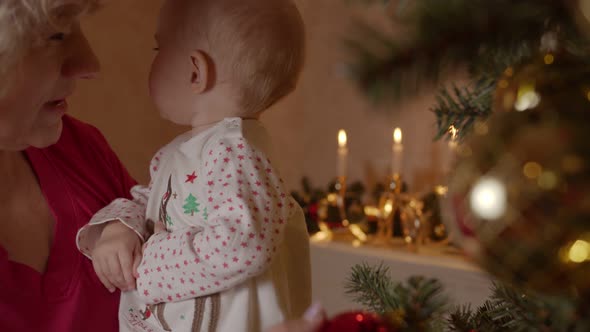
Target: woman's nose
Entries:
(81, 62)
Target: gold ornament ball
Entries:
(519, 197)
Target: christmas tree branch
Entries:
(416, 305)
(372, 288)
(446, 34)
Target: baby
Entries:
(230, 248)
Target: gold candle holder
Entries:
(342, 200)
(389, 203)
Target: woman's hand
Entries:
(116, 256)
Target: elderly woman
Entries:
(55, 173)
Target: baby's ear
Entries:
(200, 71)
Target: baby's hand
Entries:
(116, 256)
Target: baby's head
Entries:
(223, 58)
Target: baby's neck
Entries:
(202, 126)
(214, 109)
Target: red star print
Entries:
(258, 248)
(146, 293)
(226, 160)
(240, 146)
(225, 265)
(228, 149)
(241, 157)
(191, 178)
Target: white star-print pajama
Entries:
(235, 256)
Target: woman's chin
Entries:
(47, 136)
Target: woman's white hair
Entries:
(23, 24)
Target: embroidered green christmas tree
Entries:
(191, 205)
(205, 214)
(169, 221)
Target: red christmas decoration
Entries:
(356, 322)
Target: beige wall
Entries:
(304, 125)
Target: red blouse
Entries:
(78, 175)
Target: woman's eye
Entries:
(156, 48)
(58, 36)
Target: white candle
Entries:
(342, 153)
(397, 150)
(452, 145)
(453, 141)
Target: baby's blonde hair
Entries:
(23, 23)
(258, 44)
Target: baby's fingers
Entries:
(114, 273)
(126, 261)
(137, 260)
(101, 276)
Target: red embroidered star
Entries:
(191, 178)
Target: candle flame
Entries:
(397, 135)
(454, 132)
(341, 138)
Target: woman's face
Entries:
(35, 101)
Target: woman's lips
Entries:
(57, 106)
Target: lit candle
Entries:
(452, 145)
(396, 156)
(342, 153)
(453, 141)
